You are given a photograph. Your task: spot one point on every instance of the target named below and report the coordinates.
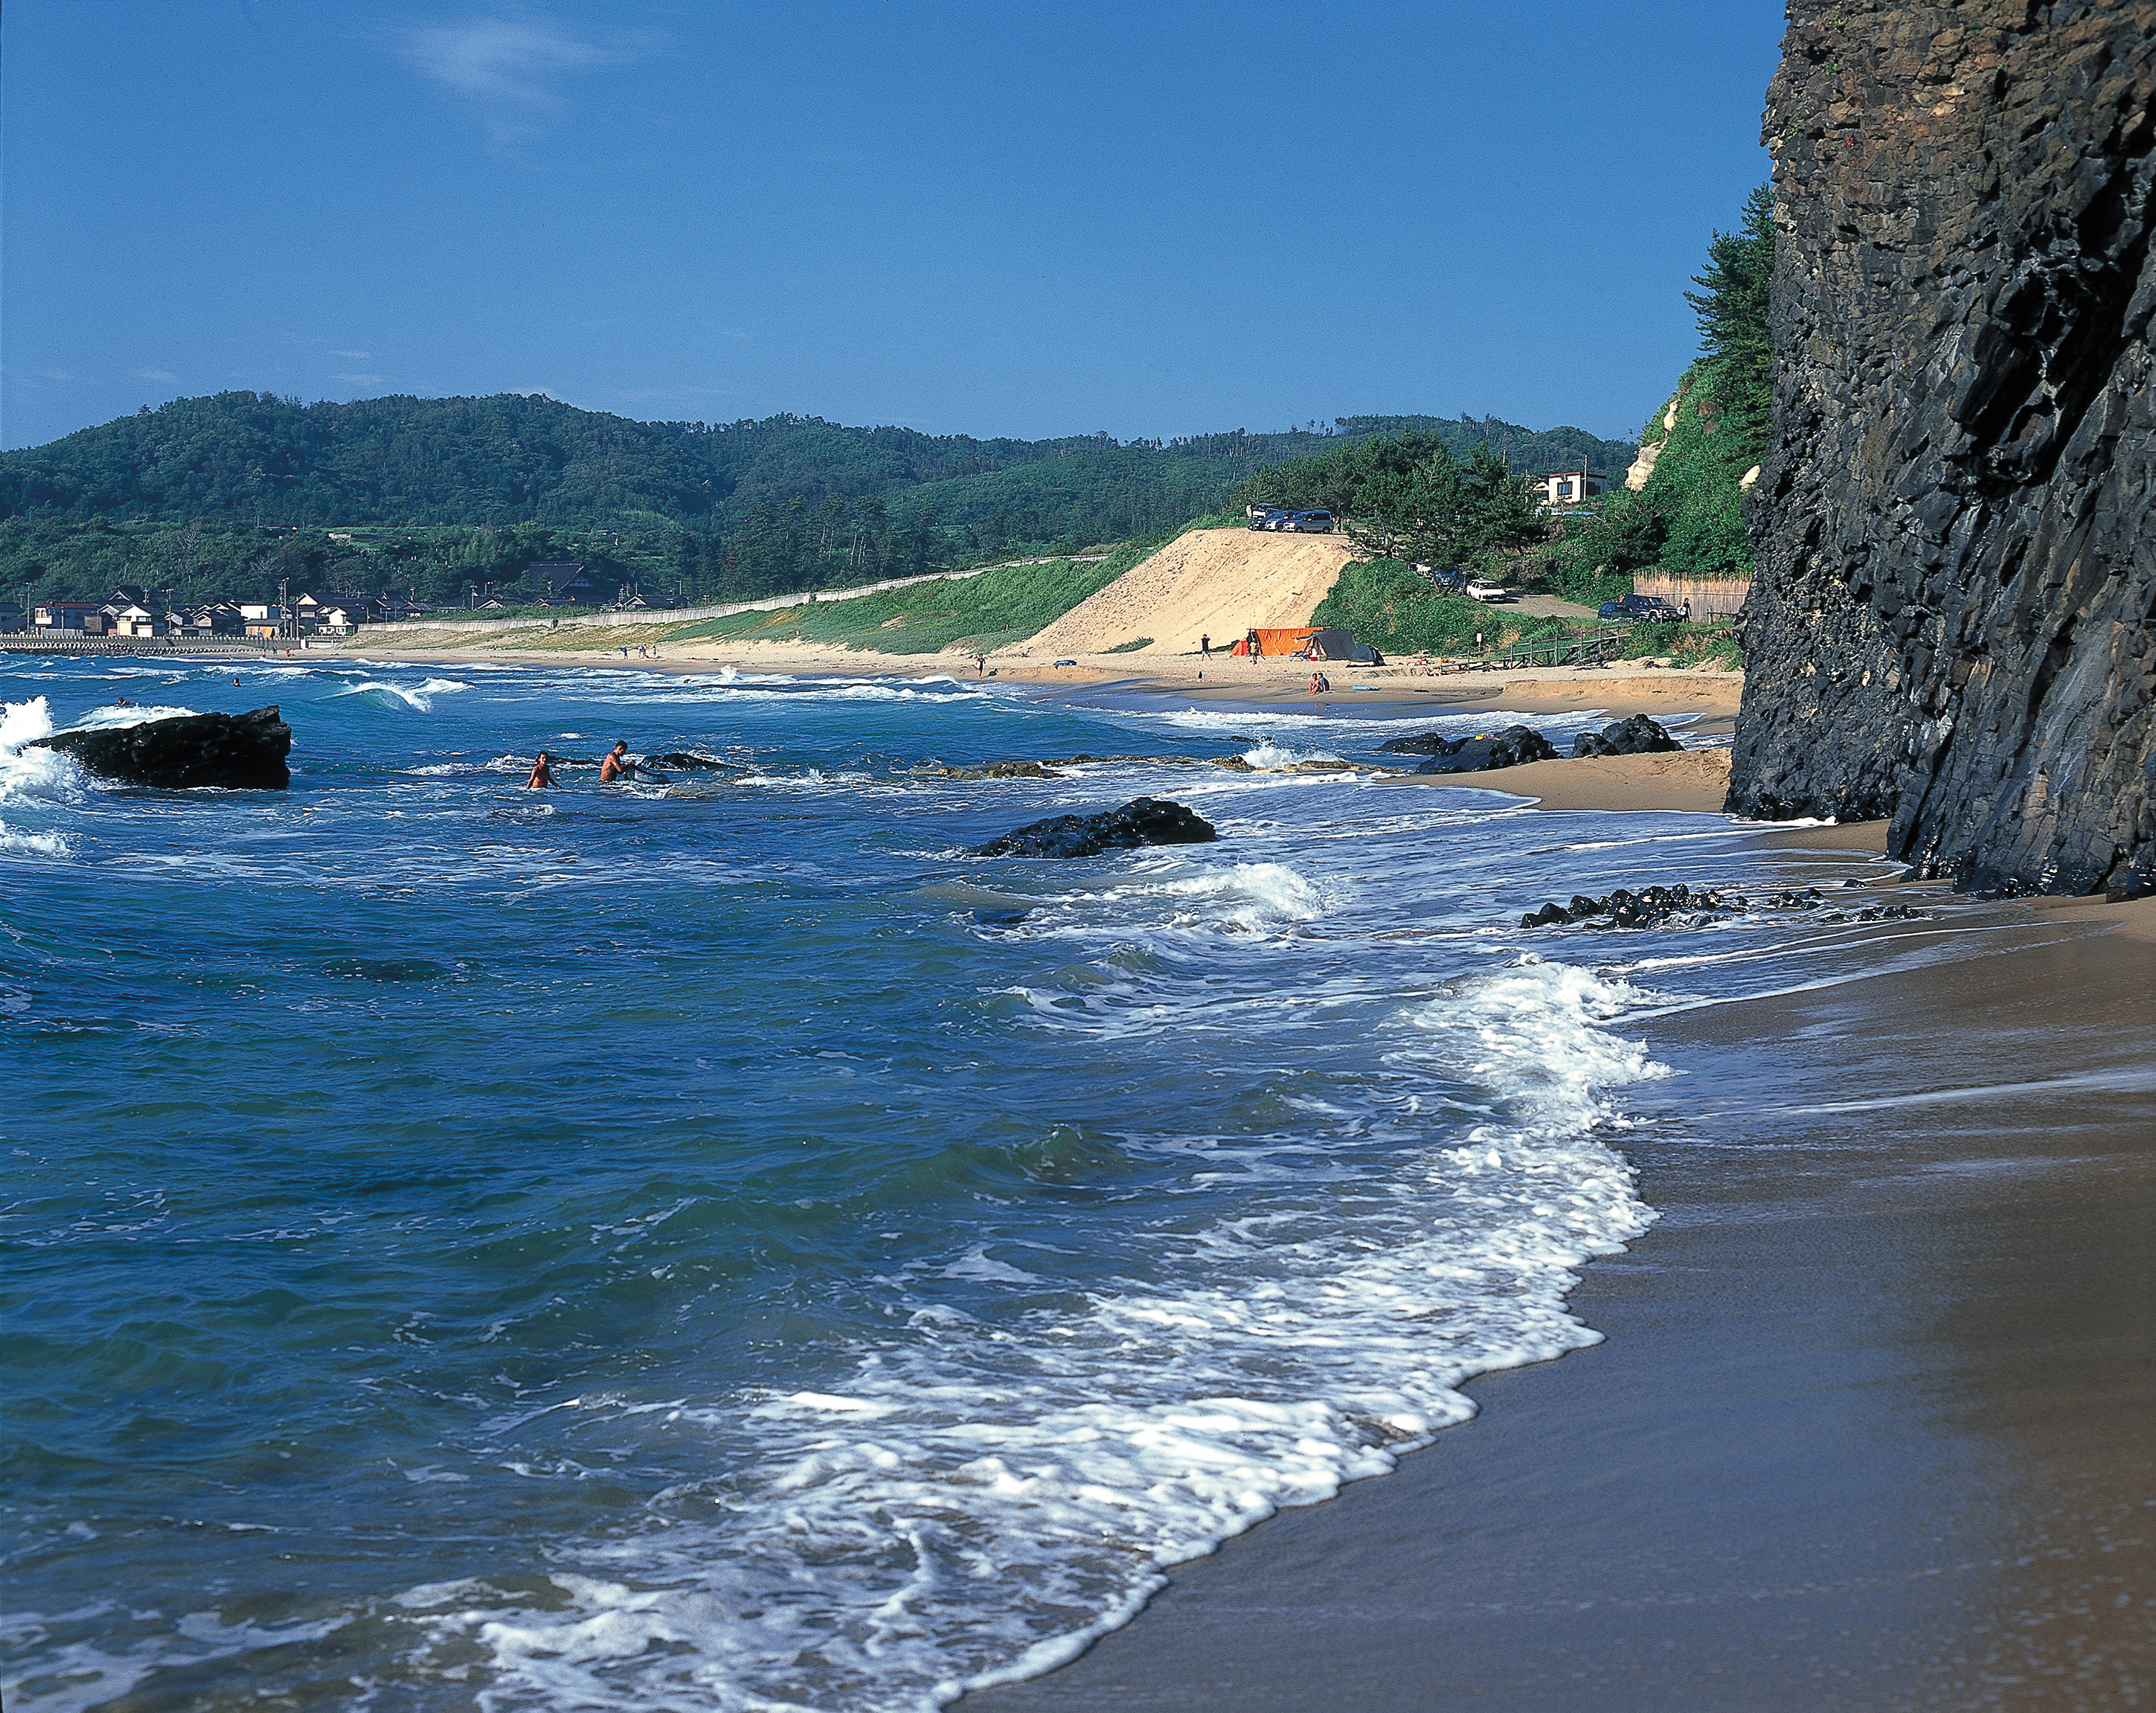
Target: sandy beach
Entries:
(1627, 687)
(1871, 1427)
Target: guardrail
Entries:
(18, 644)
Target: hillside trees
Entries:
(444, 494)
(1688, 516)
(1406, 496)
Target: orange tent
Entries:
(1292, 639)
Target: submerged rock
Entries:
(239, 752)
(1657, 907)
(1637, 736)
(1510, 747)
(1422, 743)
(1044, 770)
(1143, 821)
(993, 771)
(688, 760)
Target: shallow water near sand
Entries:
(715, 1244)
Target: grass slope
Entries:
(991, 610)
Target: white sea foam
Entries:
(414, 698)
(1270, 757)
(113, 716)
(1249, 897)
(20, 841)
(23, 720)
(965, 1509)
(35, 785)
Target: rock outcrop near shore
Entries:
(1637, 735)
(239, 752)
(1513, 747)
(1951, 624)
(1143, 821)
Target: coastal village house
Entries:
(84, 618)
(1568, 487)
(569, 582)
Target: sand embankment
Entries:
(1218, 582)
(1694, 780)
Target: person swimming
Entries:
(542, 774)
(616, 765)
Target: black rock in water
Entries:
(1422, 743)
(239, 752)
(1510, 747)
(687, 760)
(1637, 736)
(1680, 906)
(1143, 821)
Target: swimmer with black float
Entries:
(616, 764)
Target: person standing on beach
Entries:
(542, 774)
(616, 764)
(1205, 647)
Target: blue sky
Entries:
(1036, 218)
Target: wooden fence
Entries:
(1711, 597)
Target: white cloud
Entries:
(156, 374)
(506, 66)
(356, 356)
(359, 380)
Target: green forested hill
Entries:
(442, 493)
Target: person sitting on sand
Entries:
(542, 774)
(1316, 680)
(616, 764)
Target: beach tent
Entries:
(1279, 644)
(1340, 645)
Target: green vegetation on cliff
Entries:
(1688, 517)
(1396, 612)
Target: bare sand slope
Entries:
(1216, 581)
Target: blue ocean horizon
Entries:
(715, 1243)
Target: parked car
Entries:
(1268, 519)
(1310, 522)
(1638, 609)
(1482, 589)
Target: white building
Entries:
(1565, 488)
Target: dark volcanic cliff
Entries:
(1951, 624)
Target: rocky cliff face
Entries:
(1951, 623)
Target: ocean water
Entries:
(714, 1244)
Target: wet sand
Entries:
(1872, 1427)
